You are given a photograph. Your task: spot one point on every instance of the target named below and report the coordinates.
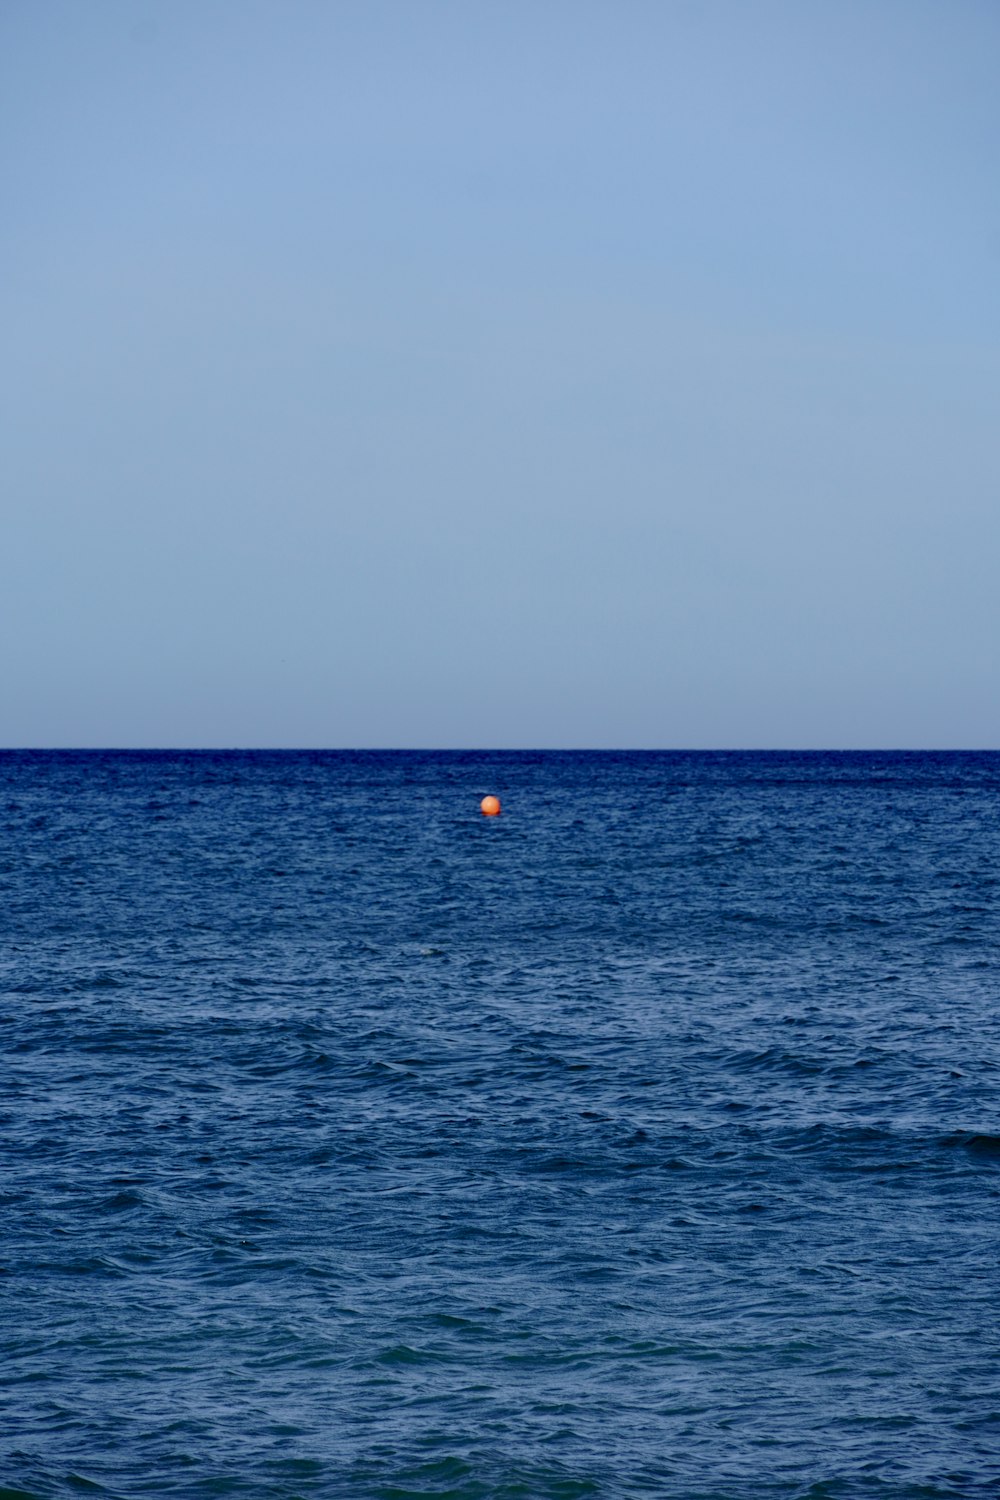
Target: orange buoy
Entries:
(490, 806)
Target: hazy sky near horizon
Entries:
(500, 374)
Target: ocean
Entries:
(641, 1141)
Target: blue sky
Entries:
(457, 374)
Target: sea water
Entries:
(641, 1141)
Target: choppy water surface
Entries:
(643, 1141)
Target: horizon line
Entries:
(498, 750)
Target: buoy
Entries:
(490, 806)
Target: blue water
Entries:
(642, 1141)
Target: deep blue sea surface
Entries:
(642, 1141)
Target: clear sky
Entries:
(500, 373)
